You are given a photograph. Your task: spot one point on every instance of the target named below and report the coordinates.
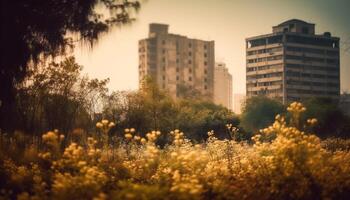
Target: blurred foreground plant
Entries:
(285, 161)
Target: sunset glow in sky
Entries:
(227, 22)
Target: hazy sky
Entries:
(227, 22)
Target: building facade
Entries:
(238, 102)
(293, 63)
(177, 63)
(222, 86)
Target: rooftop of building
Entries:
(297, 27)
(163, 29)
(294, 21)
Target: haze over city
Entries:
(228, 23)
(175, 99)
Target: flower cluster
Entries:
(284, 162)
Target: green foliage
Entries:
(31, 31)
(153, 109)
(331, 119)
(258, 112)
(56, 96)
(196, 118)
(294, 164)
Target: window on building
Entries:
(205, 55)
(205, 46)
(205, 87)
(177, 78)
(189, 53)
(190, 70)
(177, 60)
(305, 30)
(163, 77)
(190, 78)
(205, 79)
(189, 61)
(163, 51)
(163, 59)
(189, 45)
(205, 63)
(163, 42)
(177, 69)
(205, 71)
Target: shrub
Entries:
(292, 164)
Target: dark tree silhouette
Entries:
(31, 30)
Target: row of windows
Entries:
(309, 83)
(269, 50)
(265, 41)
(189, 53)
(301, 91)
(290, 98)
(269, 83)
(328, 42)
(312, 59)
(190, 87)
(266, 91)
(314, 51)
(258, 76)
(256, 60)
(265, 67)
(189, 61)
(310, 67)
(189, 78)
(189, 44)
(149, 56)
(308, 75)
(189, 70)
(150, 48)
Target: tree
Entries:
(146, 110)
(331, 119)
(32, 30)
(153, 109)
(196, 118)
(259, 112)
(54, 95)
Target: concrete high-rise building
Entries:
(177, 63)
(222, 86)
(293, 63)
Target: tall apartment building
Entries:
(293, 63)
(222, 86)
(177, 63)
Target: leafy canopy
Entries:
(31, 30)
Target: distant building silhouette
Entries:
(238, 102)
(222, 86)
(293, 63)
(177, 63)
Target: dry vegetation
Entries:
(283, 161)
